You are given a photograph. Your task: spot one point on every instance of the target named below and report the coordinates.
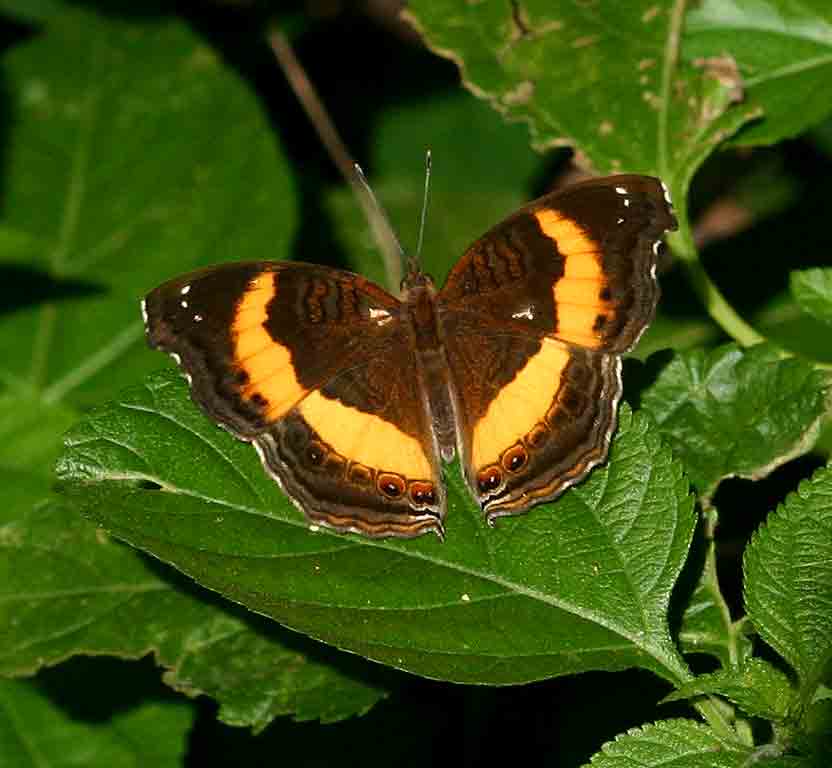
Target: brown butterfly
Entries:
(354, 398)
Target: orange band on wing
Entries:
(577, 292)
(520, 404)
(267, 364)
(364, 438)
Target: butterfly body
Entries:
(354, 398)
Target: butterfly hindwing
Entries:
(296, 359)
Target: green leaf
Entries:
(29, 10)
(788, 581)
(30, 433)
(66, 588)
(134, 153)
(732, 412)
(783, 50)
(34, 731)
(582, 584)
(812, 290)
(758, 689)
(676, 743)
(607, 79)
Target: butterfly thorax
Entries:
(421, 318)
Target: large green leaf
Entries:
(131, 153)
(788, 581)
(734, 412)
(34, 731)
(580, 584)
(66, 588)
(783, 49)
(607, 77)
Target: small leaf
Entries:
(812, 290)
(784, 53)
(788, 581)
(758, 689)
(733, 412)
(36, 731)
(66, 588)
(580, 584)
(676, 743)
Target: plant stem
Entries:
(715, 303)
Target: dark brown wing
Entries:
(311, 365)
(536, 315)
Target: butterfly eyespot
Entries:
(315, 454)
(422, 493)
(489, 479)
(258, 400)
(391, 485)
(515, 458)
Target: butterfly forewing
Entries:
(296, 359)
(549, 299)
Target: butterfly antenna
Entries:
(414, 262)
(379, 222)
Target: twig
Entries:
(338, 152)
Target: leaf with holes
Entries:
(595, 569)
(609, 80)
(783, 53)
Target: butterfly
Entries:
(354, 398)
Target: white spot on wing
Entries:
(666, 194)
(526, 313)
(621, 190)
(183, 304)
(144, 311)
(176, 358)
(197, 318)
(185, 288)
(381, 316)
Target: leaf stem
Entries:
(682, 241)
(715, 303)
